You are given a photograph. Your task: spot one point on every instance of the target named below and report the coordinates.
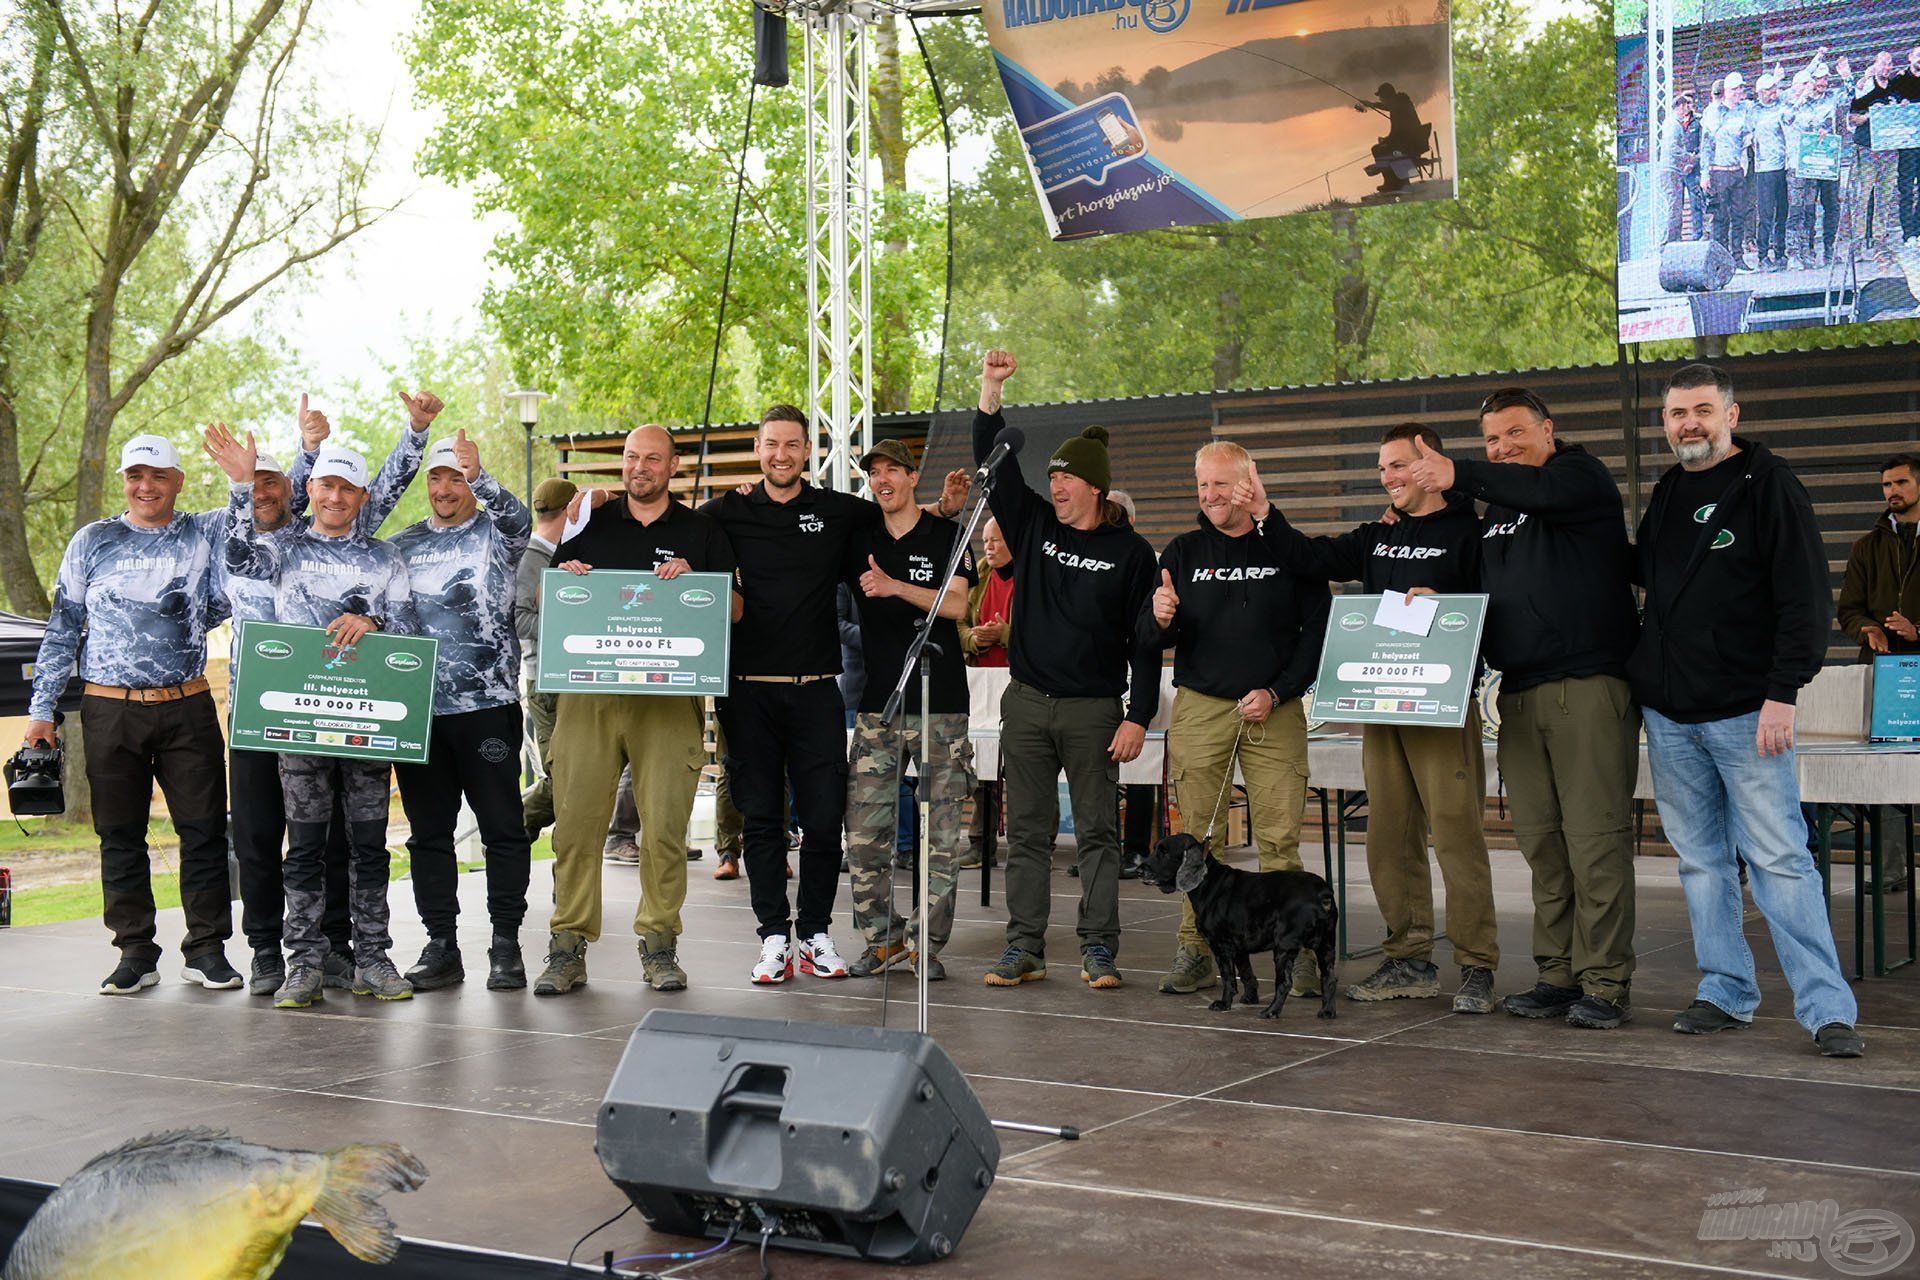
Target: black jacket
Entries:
(1440, 551)
(1243, 623)
(1077, 593)
(1751, 605)
(1555, 562)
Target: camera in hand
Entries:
(33, 782)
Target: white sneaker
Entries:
(818, 957)
(776, 960)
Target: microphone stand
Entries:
(918, 655)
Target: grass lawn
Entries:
(82, 901)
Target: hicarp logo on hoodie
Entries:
(1072, 561)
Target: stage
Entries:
(1400, 1139)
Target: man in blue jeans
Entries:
(1736, 619)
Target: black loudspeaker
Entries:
(854, 1141)
(769, 48)
(1695, 266)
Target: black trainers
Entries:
(1131, 865)
(1702, 1018)
(506, 971)
(1398, 980)
(304, 988)
(438, 966)
(1476, 991)
(130, 977)
(269, 971)
(877, 957)
(1597, 1013)
(1838, 1040)
(1097, 968)
(212, 972)
(336, 970)
(1544, 1001)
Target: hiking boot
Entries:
(970, 859)
(269, 971)
(693, 854)
(1544, 1001)
(1476, 990)
(1306, 974)
(129, 977)
(660, 964)
(566, 965)
(729, 867)
(336, 970)
(817, 958)
(212, 972)
(1703, 1018)
(624, 852)
(1398, 980)
(381, 980)
(936, 972)
(1597, 1013)
(305, 986)
(776, 960)
(1131, 865)
(439, 966)
(1838, 1040)
(877, 958)
(1192, 971)
(1015, 967)
(506, 971)
(1097, 967)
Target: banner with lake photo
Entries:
(1137, 114)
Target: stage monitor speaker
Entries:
(854, 1141)
(1695, 266)
(769, 48)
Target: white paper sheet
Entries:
(1397, 614)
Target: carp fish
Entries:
(200, 1204)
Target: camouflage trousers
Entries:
(308, 784)
(873, 789)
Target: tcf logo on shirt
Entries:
(811, 523)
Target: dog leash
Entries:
(1233, 759)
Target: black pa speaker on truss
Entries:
(769, 48)
(1695, 266)
(855, 1141)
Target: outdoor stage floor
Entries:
(1400, 1139)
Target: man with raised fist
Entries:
(1246, 635)
(1081, 578)
(460, 563)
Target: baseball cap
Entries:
(345, 463)
(1735, 80)
(1766, 82)
(442, 455)
(892, 451)
(1819, 71)
(1803, 76)
(552, 495)
(150, 451)
(264, 461)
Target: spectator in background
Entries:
(1140, 801)
(550, 499)
(983, 637)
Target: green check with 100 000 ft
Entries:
(295, 691)
(1372, 674)
(632, 631)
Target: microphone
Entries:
(1005, 445)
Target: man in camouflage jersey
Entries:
(895, 566)
(327, 574)
(136, 584)
(460, 563)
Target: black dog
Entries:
(1240, 912)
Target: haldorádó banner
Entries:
(1138, 114)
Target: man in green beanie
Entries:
(1081, 578)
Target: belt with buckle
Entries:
(783, 679)
(171, 693)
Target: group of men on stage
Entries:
(1735, 621)
(1735, 172)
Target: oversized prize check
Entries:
(295, 691)
(1370, 674)
(629, 631)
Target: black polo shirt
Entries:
(887, 625)
(791, 557)
(613, 539)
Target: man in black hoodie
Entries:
(1418, 777)
(1556, 567)
(1245, 637)
(1736, 621)
(1081, 577)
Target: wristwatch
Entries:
(379, 623)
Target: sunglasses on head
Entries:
(1508, 397)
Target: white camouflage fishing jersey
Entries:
(462, 579)
(142, 596)
(384, 491)
(316, 578)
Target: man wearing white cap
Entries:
(259, 816)
(1770, 124)
(1724, 140)
(136, 585)
(460, 563)
(326, 573)
(1811, 115)
(390, 482)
